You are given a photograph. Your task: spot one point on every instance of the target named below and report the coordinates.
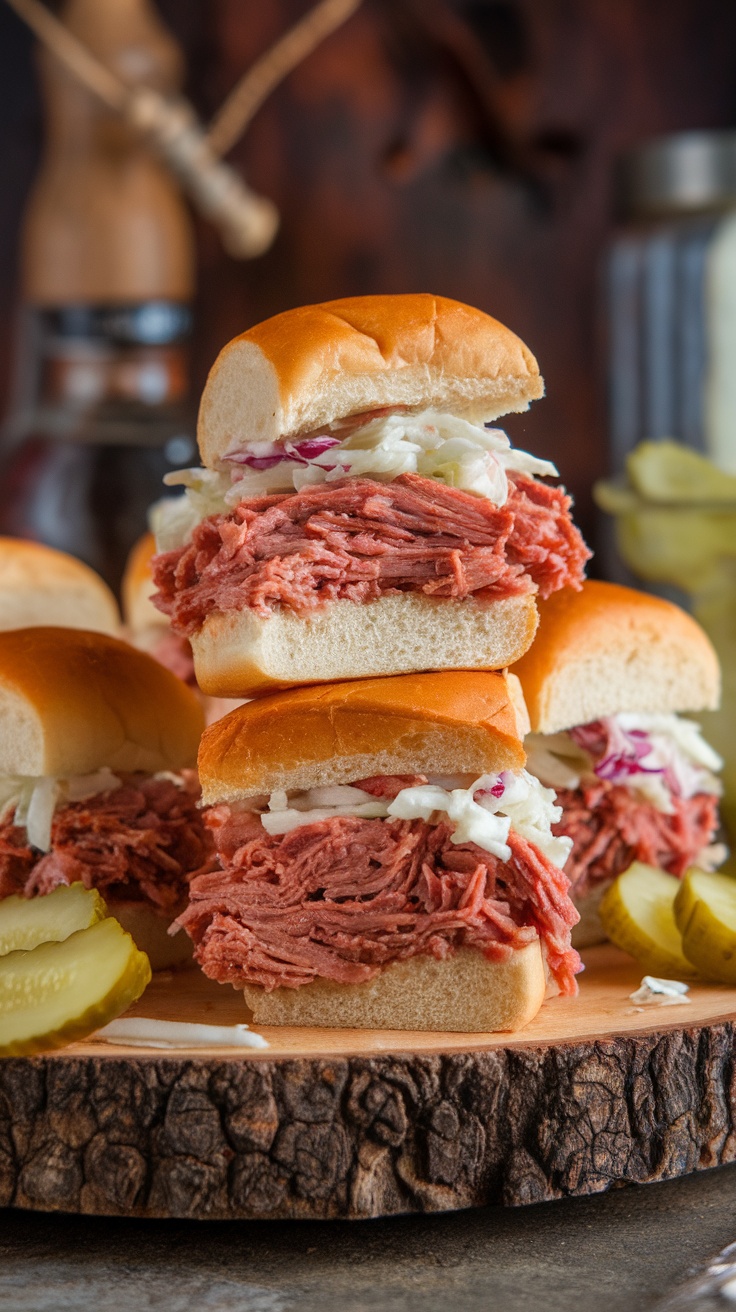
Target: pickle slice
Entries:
(637, 914)
(705, 910)
(25, 922)
(669, 471)
(59, 992)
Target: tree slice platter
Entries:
(347, 1123)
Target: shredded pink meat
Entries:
(610, 828)
(138, 843)
(341, 898)
(360, 539)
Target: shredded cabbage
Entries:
(482, 814)
(683, 734)
(556, 759)
(712, 856)
(679, 763)
(285, 814)
(445, 447)
(36, 799)
(41, 807)
(657, 756)
(172, 519)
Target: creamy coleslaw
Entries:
(435, 445)
(36, 799)
(482, 813)
(659, 757)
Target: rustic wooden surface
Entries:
(326, 1124)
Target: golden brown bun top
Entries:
(139, 611)
(608, 650)
(436, 724)
(39, 585)
(309, 366)
(72, 702)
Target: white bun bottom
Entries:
(466, 993)
(238, 654)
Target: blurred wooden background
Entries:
(457, 146)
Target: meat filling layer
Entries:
(359, 539)
(341, 898)
(137, 843)
(610, 827)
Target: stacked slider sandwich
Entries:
(606, 681)
(383, 858)
(358, 514)
(96, 784)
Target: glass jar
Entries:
(671, 298)
(671, 317)
(106, 413)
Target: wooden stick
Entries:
(262, 77)
(247, 222)
(78, 59)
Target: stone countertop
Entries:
(622, 1250)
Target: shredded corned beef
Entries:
(341, 898)
(360, 539)
(138, 843)
(610, 827)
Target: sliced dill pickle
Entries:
(668, 471)
(59, 992)
(705, 910)
(25, 922)
(637, 913)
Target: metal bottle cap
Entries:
(687, 173)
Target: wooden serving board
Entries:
(347, 1123)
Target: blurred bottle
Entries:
(103, 407)
(671, 297)
(671, 302)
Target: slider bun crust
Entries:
(240, 654)
(40, 586)
(419, 724)
(464, 993)
(72, 702)
(609, 649)
(306, 367)
(139, 611)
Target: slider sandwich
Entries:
(146, 627)
(97, 742)
(358, 514)
(384, 859)
(41, 586)
(605, 683)
(150, 631)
